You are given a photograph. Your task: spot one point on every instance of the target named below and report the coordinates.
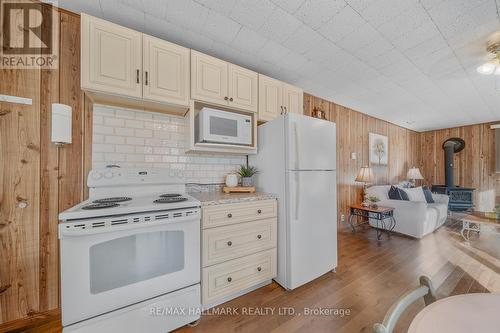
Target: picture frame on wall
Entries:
(379, 149)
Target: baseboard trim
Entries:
(31, 321)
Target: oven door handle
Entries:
(64, 232)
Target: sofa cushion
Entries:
(428, 194)
(415, 194)
(396, 193)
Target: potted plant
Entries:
(246, 173)
(373, 201)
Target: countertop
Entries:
(220, 198)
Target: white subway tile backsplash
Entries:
(131, 138)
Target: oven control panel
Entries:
(116, 176)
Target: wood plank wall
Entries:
(34, 171)
(474, 166)
(353, 128)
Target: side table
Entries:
(383, 215)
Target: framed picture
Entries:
(379, 149)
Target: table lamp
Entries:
(365, 176)
(414, 174)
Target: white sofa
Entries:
(413, 218)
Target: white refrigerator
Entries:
(297, 161)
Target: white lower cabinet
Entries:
(241, 253)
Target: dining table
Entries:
(467, 313)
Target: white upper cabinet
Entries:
(166, 72)
(111, 57)
(270, 98)
(217, 81)
(293, 99)
(243, 92)
(209, 78)
(276, 97)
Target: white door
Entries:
(293, 99)
(166, 71)
(209, 78)
(311, 143)
(111, 58)
(242, 88)
(270, 98)
(312, 225)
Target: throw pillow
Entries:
(428, 194)
(415, 194)
(404, 195)
(396, 193)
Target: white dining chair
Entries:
(426, 290)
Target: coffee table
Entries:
(384, 217)
(473, 222)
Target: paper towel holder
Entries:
(61, 124)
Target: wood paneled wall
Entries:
(474, 166)
(33, 171)
(353, 128)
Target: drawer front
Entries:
(234, 241)
(236, 275)
(220, 215)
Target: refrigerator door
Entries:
(310, 143)
(312, 225)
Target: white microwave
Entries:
(217, 126)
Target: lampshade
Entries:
(365, 175)
(414, 173)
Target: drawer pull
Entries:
(259, 236)
(229, 243)
(229, 279)
(259, 268)
(229, 215)
(259, 211)
(226, 98)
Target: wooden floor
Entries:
(370, 277)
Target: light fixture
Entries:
(414, 174)
(491, 67)
(61, 124)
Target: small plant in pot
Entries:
(373, 201)
(246, 173)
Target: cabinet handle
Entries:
(281, 109)
(137, 76)
(231, 99)
(229, 215)
(259, 236)
(229, 243)
(146, 78)
(286, 110)
(226, 98)
(229, 279)
(259, 268)
(259, 211)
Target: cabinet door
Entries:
(111, 58)
(293, 99)
(243, 88)
(166, 71)
(209, 78)
(270, 98)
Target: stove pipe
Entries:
(451, 146)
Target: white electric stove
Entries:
(130, 254)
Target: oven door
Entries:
(106, 270)
(226, 127)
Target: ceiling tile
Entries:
(315, 13)
(91, 7)
(252, 13)
(249, 41)
(187, 13)
(280, 25)
(321, 51)
(342, 24)
(289, 5)
(221, 6)
(303, 39)
(221, 28)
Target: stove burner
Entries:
(170, 195)
(112, 200)
(100, 205)
(170, 200)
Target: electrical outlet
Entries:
(342, 218)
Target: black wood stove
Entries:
(461, 198)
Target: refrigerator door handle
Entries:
(297, 195)
(296, 139)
